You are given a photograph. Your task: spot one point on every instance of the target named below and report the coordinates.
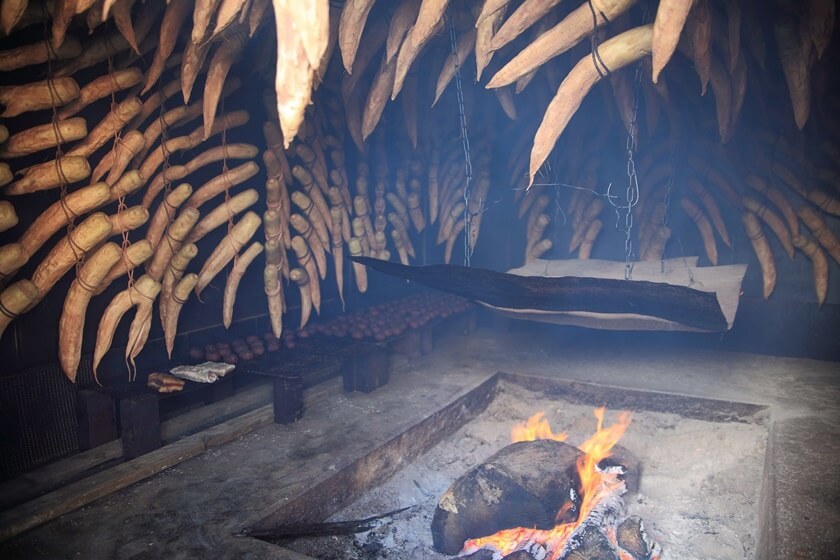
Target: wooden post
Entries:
(368, 369)
(288, 399)
(140, 425)
(96, 421)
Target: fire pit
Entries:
(693, 471)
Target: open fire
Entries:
(589, 523)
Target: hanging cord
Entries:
(631, 198)
(597, 61)
(121, 205)
(465, 142)
(228, 186)
(55, 101)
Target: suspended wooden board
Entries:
(593, 293)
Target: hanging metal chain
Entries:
(465, 142)
(632, 193)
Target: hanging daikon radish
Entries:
(819, 265)
(134, 255)
(795, 66)
(145, 289)
(359, 270)
(314, 193)
(353, 17)
(711, 208)
(69, 250)
(722, 88)
(433, 186)
(762, 251)
(826, 202)
(180, 295)
(274, 294)
(125, 148)
(615, 53)
(239, 267)
(16, 300)
(526, 15)
(454, 214)
(100, 88)
(313, 215)
(128, 220)
(36, 96)
(42, 137)
(174, 272)
(173, 18)
(219, 215)
(703, 226)
(338, 250)
(302, 37)
(8, 216)
(306, 260)
(72, 322)
(120, 116)
(559, 39)
(416, 212)
(429, 18)
(485, 31)
(466, 42)
(821, 231)
(337, 201)
(399, 245)
(226, 180)
(317, 249)
(11, 12)
(592, 211)
(536, 232)
(38, 53)
(228, 247)
(589, 239)
(229, 12)
(400, 225)
(404, 17)
(165, 213)
(773, 221)
(127, 184)
(378, 97)
(775, 196)
(51, 174)
(667, 28)
(111, 44)
(195, 54)
(538, 250)
(171, 243)
(301, 277)
(698, 44)
(317, 169)
(226, 53)
(656, 247)
(12, 257)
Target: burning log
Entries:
(526, 484)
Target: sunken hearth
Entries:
(684, 482)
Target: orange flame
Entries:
(536, 427)
(594, 487)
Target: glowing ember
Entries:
(536, 427)
(595, 486)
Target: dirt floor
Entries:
(698, 496)
(193, 509)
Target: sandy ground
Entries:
(698, 495)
